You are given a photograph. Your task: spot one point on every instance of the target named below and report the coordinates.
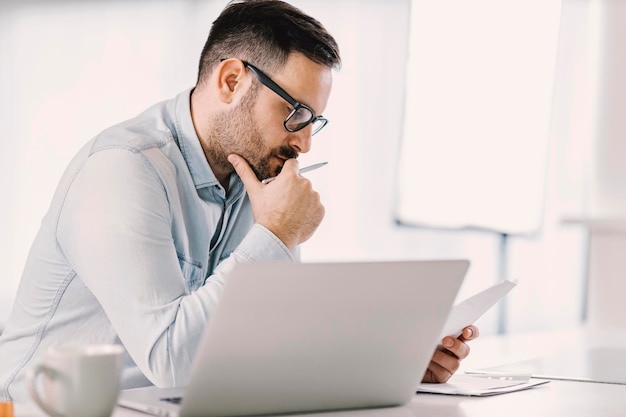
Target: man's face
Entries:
(255, 130)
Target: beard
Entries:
(237, 132)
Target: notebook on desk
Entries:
(298, 337)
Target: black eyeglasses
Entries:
(301, 115)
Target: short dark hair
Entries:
(265, 33)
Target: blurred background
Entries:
(457, 130)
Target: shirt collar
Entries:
(189, 143)
(191, 149)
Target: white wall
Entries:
(70, 69)
(67, 70)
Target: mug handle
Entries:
(31, 383)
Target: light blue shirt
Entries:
(134, 249)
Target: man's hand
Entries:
(448, 356)
(288, 206)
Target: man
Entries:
(153, 213)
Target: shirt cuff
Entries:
(260, 244)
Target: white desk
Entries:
(557, 398)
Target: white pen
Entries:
(302, 171)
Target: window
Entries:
(479, 88)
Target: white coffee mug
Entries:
(77, 381)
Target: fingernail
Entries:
(469, 332)
(232, 158)
(448, 342)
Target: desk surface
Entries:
(557, 398)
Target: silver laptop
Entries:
(300, 337)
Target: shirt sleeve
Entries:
(115, 231)
(260, 244)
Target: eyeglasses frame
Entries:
(269, 83)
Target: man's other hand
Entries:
(448, 356)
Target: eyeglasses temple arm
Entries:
(272, 85)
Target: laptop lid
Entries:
(296, 337)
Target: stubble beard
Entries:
(237, 132)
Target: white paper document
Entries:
(470, 310)
(481, 385)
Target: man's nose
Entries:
(301, 140)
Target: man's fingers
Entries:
(243, 170)
(447, 358)
(469, 333)
(291, 165)
(436, 374)
(442, 366)
(456, 347)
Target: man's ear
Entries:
(232, 80)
